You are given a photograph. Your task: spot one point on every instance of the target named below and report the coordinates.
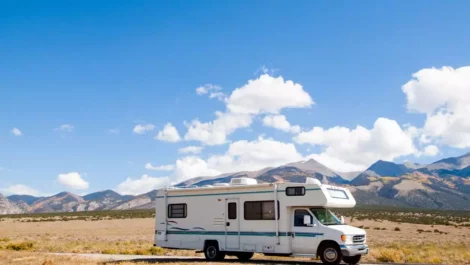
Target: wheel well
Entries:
(324, 243)
(211, 242)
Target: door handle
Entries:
(227, 224)
(293, 235)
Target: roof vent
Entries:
(243, 181)
(312, 181)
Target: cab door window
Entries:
(299, 217)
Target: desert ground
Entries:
(23, 241)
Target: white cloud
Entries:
(168, 134)
(431, 150)
(268, 94)
(64, 128)
(254, 155)
(216, 132)
(149, 166)
(190, 150)
(240, 156)
(72, 180)
(212, 90)
(356, 149)
(16, 132)
(21, 189)
(280, 122)
(443, 95)
(192, 166)
(143, 128)
(145, 184)
(202, 90)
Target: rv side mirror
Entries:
(342, 219)
(307, 220)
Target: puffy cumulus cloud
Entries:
(356, 149)
(216, 132)
(280, 122)
(143, 128)
(240, 156)
(443, 95)
(268, 94)
(16, 132)
(149, 166)
(64, 128)
(72, 180)
(191, 167)
(431, 150)
(21, 189)
(190, 150)
(254, 155)
(168, 134)
(141, 185)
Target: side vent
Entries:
(243, 181)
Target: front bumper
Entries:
(354, 250)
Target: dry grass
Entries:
(450, 245)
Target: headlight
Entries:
(347, 239)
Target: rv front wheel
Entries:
(245, 256)
(330, 254)
(212, 252)
(352, 260)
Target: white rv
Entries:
(243, 217)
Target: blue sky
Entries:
(101, 68)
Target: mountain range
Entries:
(444, 184)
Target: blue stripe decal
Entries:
(242, 233)
(228, 193)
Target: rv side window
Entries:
(232, 210)
(260, 210)
(338, 194)
(295, 191)
(177, 210)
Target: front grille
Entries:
(359, 239)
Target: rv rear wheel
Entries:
(330, 254)
(244, 256)
(212, 252)
(352, 260)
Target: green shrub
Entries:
(20, 246)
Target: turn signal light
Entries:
(343, 238)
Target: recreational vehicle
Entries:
(243, 217)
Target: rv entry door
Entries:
(232, 223)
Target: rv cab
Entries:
(243, 217)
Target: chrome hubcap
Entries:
(211, 252)
(330, 254)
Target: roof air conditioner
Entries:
(243, 181)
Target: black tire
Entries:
(212, 252)
(244, 256)
(352, 260)
(330, 254)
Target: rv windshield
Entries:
(325, 216)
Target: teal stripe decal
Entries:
(222, 233)
(228, 193)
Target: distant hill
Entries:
(444, 184)
(28, 199)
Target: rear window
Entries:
(338, 194)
